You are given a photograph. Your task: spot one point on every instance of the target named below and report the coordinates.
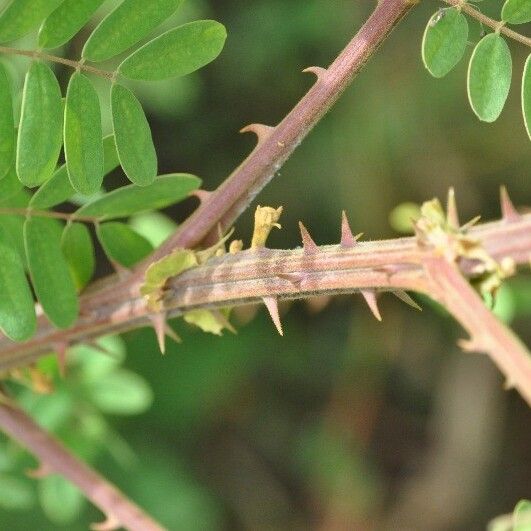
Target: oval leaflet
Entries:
(134, 142)
(83, 135)
(38, 147)
(177, 52)
(444, 41)
(489, 77)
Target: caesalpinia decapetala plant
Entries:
(191, 274)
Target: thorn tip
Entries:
(272, 307)
(308, 244)
(451, 209)
(370, 298)
(347, 238)
(508, 211)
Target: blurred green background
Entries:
(345, 423)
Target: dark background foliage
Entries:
(345, 423)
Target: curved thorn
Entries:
(405, 297)
(317, 70)
(202, 195)
(470, 345)
(260, 130)
(109, 524)
(347, 238)
(41, 471)
(451, 209)
(509, 212)
(370, 298)
(309, 245)
(272, 307)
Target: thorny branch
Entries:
(268, 275)
(119, 510)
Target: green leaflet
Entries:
(49, 271)
(444, 41)
(516, 11)
(17, 311)
(130, 22)
(526, 95)
(177, 52)
(83, 136)
(78, 251)
(7, 124)
(16, 493)
(489, 77)
(121, 392)
(58, 189)
(134, 142)
(22, 16)
(122, 244)
(14, 224)
(41, 122)
(9, 185)
(66, 21)
(60, 499)
(122, 202)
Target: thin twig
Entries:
(50, 452)
(77, 65)
(490, 22)
(45, 214)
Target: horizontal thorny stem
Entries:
(490, 22)
(250, 276)
(119, 510)
(77, 65)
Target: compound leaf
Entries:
(526, 95)
(58, 189)
(66, 21)
(122, 244)
(78, 251)
(83, 136)
(49, 271)
(134, 142)
(7, 124)
(40, 132)
(22, 16)
(516, 11)
(130, 22)
(444, 41)
(122, 202)
(17, 311)
(489, 77)
(177, 52)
